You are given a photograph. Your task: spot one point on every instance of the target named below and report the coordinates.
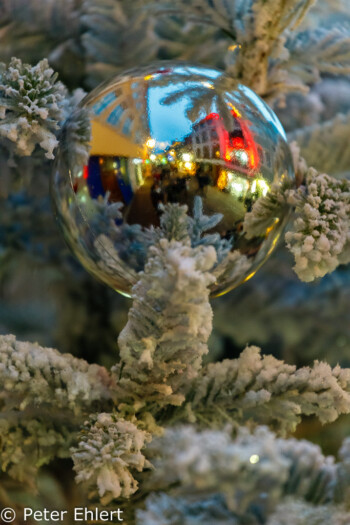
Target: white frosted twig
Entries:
(107, 455)
(31, 101)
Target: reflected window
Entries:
(127, 126)
(115, 115)
(103, 103)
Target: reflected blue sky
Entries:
(168, 122)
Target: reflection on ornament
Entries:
(162, 137)
(254, 458)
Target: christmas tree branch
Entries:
(263, 390)
(215, 478)
(166, 336)
(45, 398)
(319, 235)
(30, 106)
(107, 455)
(324, 145)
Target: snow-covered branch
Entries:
(107, 456)
(320, 235)
(45, 397)
(325, 145)
(31, 101)
(162, 345)
(255, 389)
(210, 477)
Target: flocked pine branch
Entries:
(57, 19)
(325, 145)
(45, 397)
(108, 454)
(162, 345)
(161, 350)
(31, 101)
(116, 34)
(211, 462)
(319, 235)
(294, 512)
(75, 138)
(319, 239)
(258, 30)
(221, 15)
(186, 40)
(43, 28)
(210, 477)
(264, 390)
(328, 52)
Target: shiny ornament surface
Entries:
(163, 136)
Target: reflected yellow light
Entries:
(250, 276)
(272, 227)
(187, 157)
(263, 186)
(150, 143)
(254, 459)
(235, 110)
(222, 180)
(148, 77)
(234, 47)
(188, 165)
(208, 85)
(237, 186)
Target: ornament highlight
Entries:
(170, 140)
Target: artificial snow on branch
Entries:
(264, 390)
(259, 31)
(75, 137)
(107, 455)
(162, 345)
(209, 477)
(328, 51)
(33, 376)
(325, 145)
(320, 233)
(45, 397)
(28, 444)
(30, 106)
(319, 239)
(294, 512)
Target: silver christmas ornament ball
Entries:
(152, 139)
